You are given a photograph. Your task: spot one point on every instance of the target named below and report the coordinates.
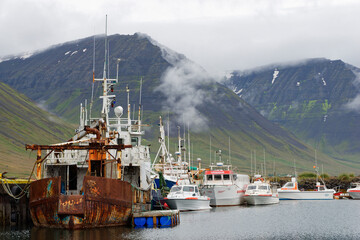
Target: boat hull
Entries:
(105, 202)
(224, 195)
(354, 194)
(261, 200)
(188, 204)
(306, 195)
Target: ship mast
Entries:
(107, 84)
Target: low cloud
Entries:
(182, 84)
(354, 104)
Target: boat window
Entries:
(188, 189)
(134, 141)
(321, 188)
(251, 187)
(263, 187)
(175, 189)
(234, 176)
(226, 177)
(289, 185)
(217, 177)
(209, 177)
(196, 189)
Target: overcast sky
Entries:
(219, 35)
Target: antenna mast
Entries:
(251, 164)
(255, 162)
(229, 151)
(179, 145)
(264, 164)
(107, 86)
(128, 102)
(168, 131)
(105, 107)
(139, 115)
(189, 145)
(210, 149)
(93, 82)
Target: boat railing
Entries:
(67, 157)
(124, 123)
(222, 167)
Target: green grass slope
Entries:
(22, 122)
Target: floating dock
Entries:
(158, 218)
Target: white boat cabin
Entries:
(184, 191)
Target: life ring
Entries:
(261, 179)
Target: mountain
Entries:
(61, 78)
(316, 99)
(22, 122)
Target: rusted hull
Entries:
(105, 202)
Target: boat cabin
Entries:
(184, 191)
(214, 177)
(261, 187)
(293, 185)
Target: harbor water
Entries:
(329, 219)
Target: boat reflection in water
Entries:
(89, 234)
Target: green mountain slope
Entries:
(61, 78)
(311, 99)
(23, 122)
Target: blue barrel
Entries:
(150, 222)
(140, 221)
(165, 221)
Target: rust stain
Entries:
(106, 202)
(92, 188)
(72, 204)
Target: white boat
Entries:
(173, 170)
(354, 191)
(187, 198)
(260, 193)
(290, 191)
(223, 186)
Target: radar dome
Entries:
(118, 111)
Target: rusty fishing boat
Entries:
(98, 178)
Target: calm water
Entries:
(332, 219)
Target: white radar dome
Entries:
(118, 111)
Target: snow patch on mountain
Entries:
(323, 80)
(275, 75)
(238, 92)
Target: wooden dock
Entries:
(13, 211)
(158, 218)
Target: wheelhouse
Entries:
(220, 175)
